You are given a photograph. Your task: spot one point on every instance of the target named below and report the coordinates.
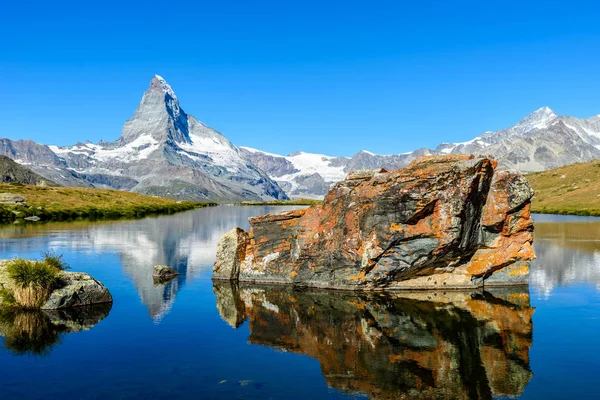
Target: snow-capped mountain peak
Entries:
(159, 115)
(539, 119)
(161, 151)
(159, 83)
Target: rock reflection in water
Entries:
(401, 345)
(36, 332)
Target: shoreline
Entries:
(8, 216)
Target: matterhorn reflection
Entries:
(403, 345)
(186, 242)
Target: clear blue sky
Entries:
(320, 76)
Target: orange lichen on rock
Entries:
(448, 221)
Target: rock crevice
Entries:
(447, 221)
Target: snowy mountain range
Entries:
(540, 141)
(164, 151)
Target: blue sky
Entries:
(319, 76)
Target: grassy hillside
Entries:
(572, 189)
(69, 203)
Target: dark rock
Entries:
(447, 221)
(77, 289)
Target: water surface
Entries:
(192, 339)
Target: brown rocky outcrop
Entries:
(401, 345)
(447, 221)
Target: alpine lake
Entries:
(190, 338)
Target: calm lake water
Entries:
(192, 339)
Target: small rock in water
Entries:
(33, 218)
(163, 274)
(77, 289)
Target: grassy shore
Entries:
(293, 202)
(572, 189)
(69, 203)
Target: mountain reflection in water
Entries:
(567, 253)
(401, 345)
(186, 242)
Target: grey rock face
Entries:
(162, 151)
(12, 172)
(77, 289)
(231, 251)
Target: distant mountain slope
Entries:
(540, 141)
(12, 172)
(300, 174)
(571, 189)
(162, 151)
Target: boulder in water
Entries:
(445, 221)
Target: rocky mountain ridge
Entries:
(161, 151)
(165, 151)
(13, 172)
(540, 141)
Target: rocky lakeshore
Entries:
(441, 222)
(72, 289)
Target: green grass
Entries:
(69, 203)
(293, 202)
(30, 282)
(573, 189)
(25, 273)
(55, 261)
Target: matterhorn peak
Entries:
(158, 115)
(158, 83)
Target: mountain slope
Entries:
(12, 172)
(540, 141)
(571, 189)
(300, 174)
(161, 151)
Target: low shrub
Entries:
(33, 281)
(54, 260)
(7, 297)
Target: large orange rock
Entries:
(447, 221)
